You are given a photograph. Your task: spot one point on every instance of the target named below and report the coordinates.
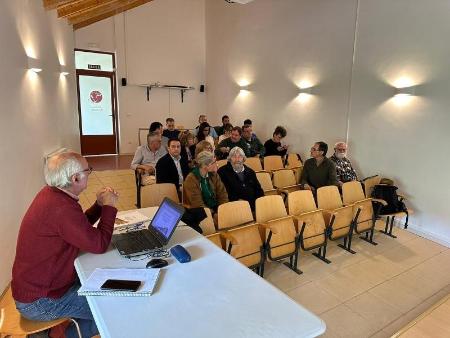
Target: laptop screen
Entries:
(167, 218)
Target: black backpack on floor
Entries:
(388, 193)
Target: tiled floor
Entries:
(373, 293)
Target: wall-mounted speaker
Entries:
(202, 88)
(124, 81)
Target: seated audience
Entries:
(53, 232)
(202, 119)
(203, 146)
(170, 132)
(204, 133)
(187, 140)
(239, 180)
(157, 127)
(220, 130)
(273, 146)
(146, 156)
(235, 140)
(226, 132)
(318, 171)
(172, 167)
(344, 169)
(255, 146)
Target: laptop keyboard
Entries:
(142, 240)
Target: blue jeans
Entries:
(69, 305)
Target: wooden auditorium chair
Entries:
(338, 217)
(280, 235)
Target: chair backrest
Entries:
(282, 241)
(293, 161)
(247, 250)
(283, 178)
(152, 195)
(216, 239)
(269, 208)
(369, 183)
(232, 214)
(254, 163)
(301, 201)
(221, 163)
(352, 192)
(273, 162)
(314, 231)
(264, 180)
(207, 225)
(328, 198)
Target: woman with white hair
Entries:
(239, 180)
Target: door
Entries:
(96, 103)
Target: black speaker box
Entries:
(202, 88)
(124, 81)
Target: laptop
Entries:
(156, 236)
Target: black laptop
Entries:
(158, 234)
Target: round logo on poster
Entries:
(96, 96)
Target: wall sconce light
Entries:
(405, 91)
(34, 65)
(64, 70)
(305, 90)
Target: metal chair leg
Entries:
(77, 327)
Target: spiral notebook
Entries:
(147, 277)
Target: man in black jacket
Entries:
(239, 180)
(172, 167)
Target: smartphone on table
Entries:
(121, 285)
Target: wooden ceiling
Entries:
(82, 13)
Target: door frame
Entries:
(115, 108)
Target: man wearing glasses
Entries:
(53, 232)
(344, 169)
(318, 171)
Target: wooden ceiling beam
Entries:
(52, 4)
(104, 12)
(80, 6)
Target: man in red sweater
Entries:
(53, 232)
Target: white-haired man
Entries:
(344, 169)
(146, 156)
(53, 232)
(239, 180)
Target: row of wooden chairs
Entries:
(270, 163)
(276, 234)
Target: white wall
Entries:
(38, 112)
(276, 44)
(160, 41)
(408, 139)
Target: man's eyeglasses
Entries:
(88, 170)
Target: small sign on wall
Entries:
(98, 67)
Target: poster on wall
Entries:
(96, 105)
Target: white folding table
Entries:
(212, 296)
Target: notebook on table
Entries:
(156, 236)
(147, 277)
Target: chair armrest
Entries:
(230, 237)
(377, 200)
(268, 227)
